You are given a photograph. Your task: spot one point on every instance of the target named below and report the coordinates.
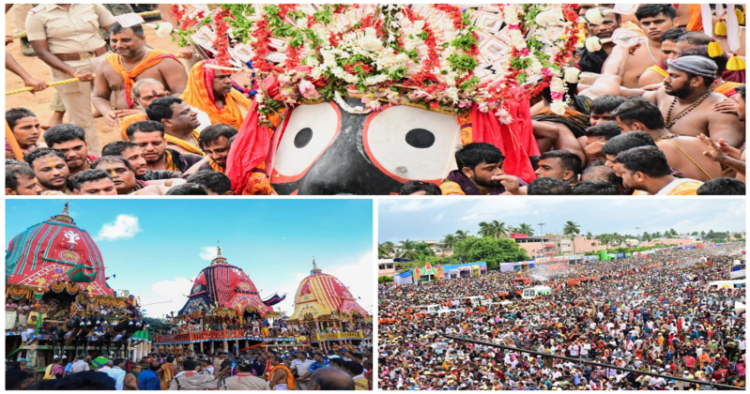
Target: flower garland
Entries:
(433, 56)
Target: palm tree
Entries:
(588, 235)
(525, 228)
(461, 234)
(672, 233)
(501, 230)
(493, 229)
(486, 230)
(407, 247)
(656, 235)
(383, 251)
(571, 228)
(449, 241)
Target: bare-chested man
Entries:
(685, 154)
(131, 62)
(656, 73)
(686, 100)
(655, 20)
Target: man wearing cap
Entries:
(66, 37)
(686, 100)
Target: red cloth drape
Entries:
(516, 140)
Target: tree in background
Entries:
(385, 279)
(525, 228)
(449, 241)
(493, 229)
(461, 234)
(588, 235)
(386, 250)
(571, 228)
(491, 250)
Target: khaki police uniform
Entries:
(73, 36)
(18, 14)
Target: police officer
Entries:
(66, 37)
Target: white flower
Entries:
(419, 24)
(571, 75)
(517, 39)
(556, 85)
(316, 73)
(536, 67)
(594, 16)
(452, 93)
(370, 32)
(371, 43)
(549, 17)
(558, 107)
(164, 29)
(593, 44)
(511, 14)
(312, 61)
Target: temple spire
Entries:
(315, 269)
(219, 258)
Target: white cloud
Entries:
(166, 290)
(208, 253)
(125, 226)
(438, 218)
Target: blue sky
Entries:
(432, 219)
(157, 247)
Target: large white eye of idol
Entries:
(410, 144)
(309, 132)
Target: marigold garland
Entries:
(429, 55)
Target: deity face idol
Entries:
(323, 149)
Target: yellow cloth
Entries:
(184, 144)
(678, 187)
(450, 187)
(632, 26)
(152, 58)
(170, 164)
(289, 377)
(165, 375)
(129, 120)
(658, 70)
(361, 384)
(197, 94)
(215, 166)
(48, 372)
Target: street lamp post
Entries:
(638, 234)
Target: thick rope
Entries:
(29, 89)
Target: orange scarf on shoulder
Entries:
(199, 93)
(215, 166)
(289, 377)
(151, 59)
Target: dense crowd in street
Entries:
(654, 314)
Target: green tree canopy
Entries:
(491, 250)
